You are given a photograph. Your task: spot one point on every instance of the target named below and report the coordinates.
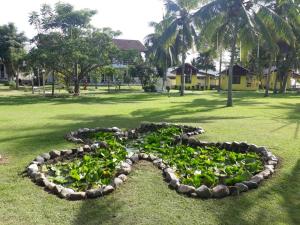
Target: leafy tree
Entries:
(70, 44)
(240, 21)
(12, 50)
(146, 74)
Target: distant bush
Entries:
(11, 84)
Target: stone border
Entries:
(78, 136)
(34, 172)
(125, 167)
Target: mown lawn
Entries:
(31, 125)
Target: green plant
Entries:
(196, 166)
(92, 170)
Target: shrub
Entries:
(12, 84)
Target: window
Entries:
(236, 79)
(188, 79)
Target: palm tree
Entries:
(162, 55)
(181, 31)
(205, 62)
(239, 21)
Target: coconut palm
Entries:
(240, 21)
(181, 31)
(162, 55)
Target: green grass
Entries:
(31, 125)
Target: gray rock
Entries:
(116, 129)
(123, 177)
(272, 162)
(49, 185)
(94, 146)
(253, 148)
(40, 159)
(243, 147)
(174, 184)
(193, 142)
(234, 191)
(203, 192)
(40, 178)
(170, 175)
(184, 138)
(266, 173)
(94, 193)
(129, 162)
(250, 184)
(271, 168)
(162, 166)
(257, 178)
(185, 189)
(46, 156)
(227, 145)
(134, 158)
(65, 192)
(143, 156)
(125, 168)
(66, 152)
(57, 189)
(103, 144)
(235, 146)
(262, 150)
(157, 162)
(152, 157)
(242, 187)
(54, 154)
(108, 189)
(220, 191)
(80, 151)
(87, 148)
(117, 182)
(77, 196)
(33, 168)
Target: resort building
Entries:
(243, 79)
(293, 80)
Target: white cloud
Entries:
(129, 16)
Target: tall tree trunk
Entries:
(17, 80)
(275, 91)
(220, 70)
(182, 76)
(230, 75)
(44, 90)
(38, 77)
(268, 80)
(53, 82)
(76, 83)
(32, 83)
(284, 83)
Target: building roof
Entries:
(209, 72)
(126, 45)
(237, 70)
(188, 68)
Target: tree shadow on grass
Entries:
(84, 100)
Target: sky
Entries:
(129, 16)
